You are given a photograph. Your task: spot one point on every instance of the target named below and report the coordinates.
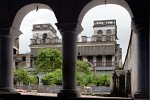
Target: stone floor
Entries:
(82, 96)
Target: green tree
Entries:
(103, 80)
(48, 60)
(21, 76)
(83, 67)
(84, 74)
(34, 80)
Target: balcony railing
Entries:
(45, 41)
(83, 39)
(103, 64)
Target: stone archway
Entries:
(139, 27)
(95, 3)
(7, 43)
(22, 13)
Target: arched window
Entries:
(108, 32)
(108, 35)
(44, 35)
(99, 35)
(100, 32)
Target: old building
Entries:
(69, 15)
(101, 50)
(15, 52)
(20, 60)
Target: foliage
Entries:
(103, 80)
(48, 60)
(21, 76)
(81, 79)
(83, 67)
(90, 79)
(84, 77)
(34, 80)
(53, 78)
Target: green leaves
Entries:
(83, 67)
(53, 78)
(103, 80)
(48, 60)
(21, 77)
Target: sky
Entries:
(101, 12)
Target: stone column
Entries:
(141, 29)
(6, 62)
(127, 82)
(113, 86)
(69, 58)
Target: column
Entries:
(6, 63)
(127, 82)
(69, 58)
(113, 86)
(141, 30)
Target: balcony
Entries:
(45, 41)
(106, 66)
(84, 39)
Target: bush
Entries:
(103, 80)
(21, 77)
(53, 78)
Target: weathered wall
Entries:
(130, 62)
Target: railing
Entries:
(83, 39)
(45, 41)
(103, 64)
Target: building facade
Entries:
(101, 50)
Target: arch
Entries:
(100, 32)
(44, 36)
(108, 32)
(95, 3)
(22, 13)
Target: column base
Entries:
(67, 93)
(5, 91)
(6, 94)
(139, 95)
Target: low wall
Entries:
(56, 89)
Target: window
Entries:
(108, 35)
(99, 61)
(90, 58)
(108, 61)
(108, 32)
(44, 36)
(23, 58)
(99, 35)
(99, 32)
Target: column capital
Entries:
(9, 31)
(4, 30)
(68, 27)
(138, 24)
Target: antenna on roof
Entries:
(105, 2)
(37, 8)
